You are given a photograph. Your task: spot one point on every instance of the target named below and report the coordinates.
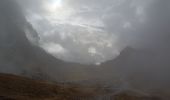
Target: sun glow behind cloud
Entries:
(54, 5)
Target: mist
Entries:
(79, 40)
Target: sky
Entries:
(87, 31)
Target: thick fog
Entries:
(127, 39)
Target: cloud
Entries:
(78, 25)
(108, 26)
